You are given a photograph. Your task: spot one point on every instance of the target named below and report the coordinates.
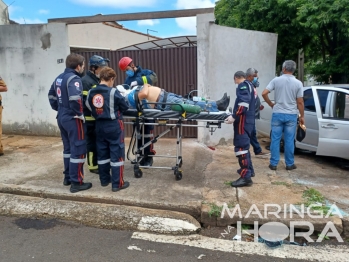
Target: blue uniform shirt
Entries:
(142, 76)
(245, 101)
(106, 103)
(65, 94)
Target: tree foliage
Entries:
(319, 27)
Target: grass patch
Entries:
(324, 237)
(216, 210)
(312, 197)
(227, 183)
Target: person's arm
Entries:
(120, 102)
(3, 86)
(145, 78)
(75, 97)
(265, 95)
(52, 97)
(243, 96)
(300, 104)
(143, 94)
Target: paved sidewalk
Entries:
(32, 167)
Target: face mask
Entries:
(255, 81)
(130, 73)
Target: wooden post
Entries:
(301, 65)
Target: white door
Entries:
(333, 122)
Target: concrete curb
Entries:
(191, 208)
(100, 215)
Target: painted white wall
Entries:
(28, 56)
(4, 18)
(99, 35)
(221, 52)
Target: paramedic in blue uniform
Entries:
(90, 80)
(65, 96)
(107, 106)
(137, 76)
(243, 118)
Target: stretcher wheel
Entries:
(138, 173)
(178, 175)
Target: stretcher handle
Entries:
(191, 92)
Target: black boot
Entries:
(241, 182)
(223, 98)
(76, 187)
(223, 103)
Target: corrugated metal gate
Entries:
(176, 69)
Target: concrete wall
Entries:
(4, 18)
(221, 52)
(99, 35)
(28, 55)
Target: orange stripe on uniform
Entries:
(121, 183)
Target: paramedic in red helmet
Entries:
(136, 76)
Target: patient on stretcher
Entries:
(153, 94)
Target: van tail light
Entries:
(261, 107)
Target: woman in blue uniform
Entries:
(107, 106)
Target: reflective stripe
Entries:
(52, 97)
(117, 163)
(244, 104)
(66, 155)
(87, 103)
(149, 135)
(77, 161)
(111, 104)
(239, 153)
(90, 118)
(102, 162)
(85, 93)
(74, 98)
(68, 81)
(94, 86)
(144, 78)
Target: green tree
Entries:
(319, 27)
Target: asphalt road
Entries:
(23, 240)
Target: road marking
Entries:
(165, 225)
(134, 248)
(318, 253)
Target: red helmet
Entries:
(124, 62)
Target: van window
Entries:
(309, 104)
(339, 105)
(341, 109)
(322, 94)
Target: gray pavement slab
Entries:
(32, 166)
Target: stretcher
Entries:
(174, 120)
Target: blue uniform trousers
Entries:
(242, 136)
(110, 151)
(74, 147)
